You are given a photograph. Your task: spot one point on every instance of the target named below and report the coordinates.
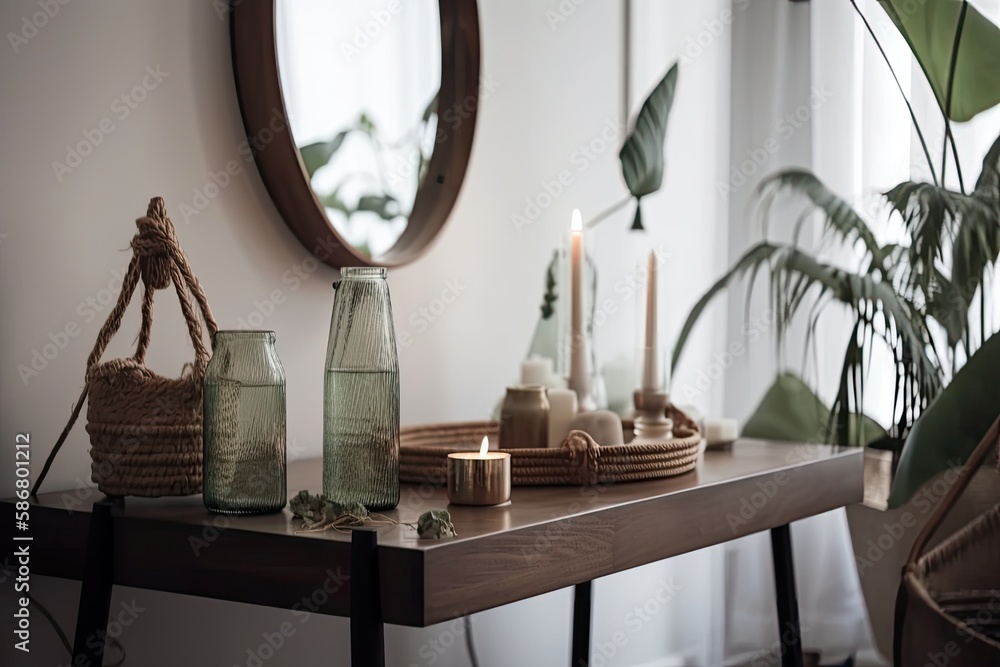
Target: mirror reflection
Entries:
(360, 82)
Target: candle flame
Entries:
(576, 223)
(484, 447)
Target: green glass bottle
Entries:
(244, 425)
(361, 394)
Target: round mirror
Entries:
(360, 117)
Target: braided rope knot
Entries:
(155, 245)
(583, 455)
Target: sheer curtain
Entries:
(809, 77)
(784, 99)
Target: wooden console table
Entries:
(547, 538)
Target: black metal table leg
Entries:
(367, 632)
(582, 606)
(95, 591)
(789, 635)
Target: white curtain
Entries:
(784, 97)
(809, 82)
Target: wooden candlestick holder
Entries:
(651, 423)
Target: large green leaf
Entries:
(318, 154)
(948, 431)
(642, 154)
(930, 28)
(791, 411)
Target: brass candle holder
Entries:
(481, 478)
(651, 423)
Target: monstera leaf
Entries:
(642, 154)
(930, 27)
(947, 432)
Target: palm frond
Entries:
(839, 218)
(935, 217)
(871, 300)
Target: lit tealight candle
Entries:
(481, 478)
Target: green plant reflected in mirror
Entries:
(360, 82)
(350, 97)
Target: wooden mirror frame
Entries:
(258, 86)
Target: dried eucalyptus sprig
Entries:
(435, 524)
(319, 513)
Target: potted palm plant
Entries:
(926, 300)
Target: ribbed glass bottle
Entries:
(244, 425)
(361, 394)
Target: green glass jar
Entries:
(244, 425)
(361, 394)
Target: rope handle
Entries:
(989, 441)
(157, 259)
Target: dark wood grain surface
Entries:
(545, 539)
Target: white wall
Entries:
(65, 236)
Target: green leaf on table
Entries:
(930, 28)
(791, 411)
(318, 154)
(642, 154)
(950, 428)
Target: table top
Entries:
(546, 538)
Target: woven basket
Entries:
(145, 429)
(948, 608)
(423, 454)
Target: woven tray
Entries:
(423, 455)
